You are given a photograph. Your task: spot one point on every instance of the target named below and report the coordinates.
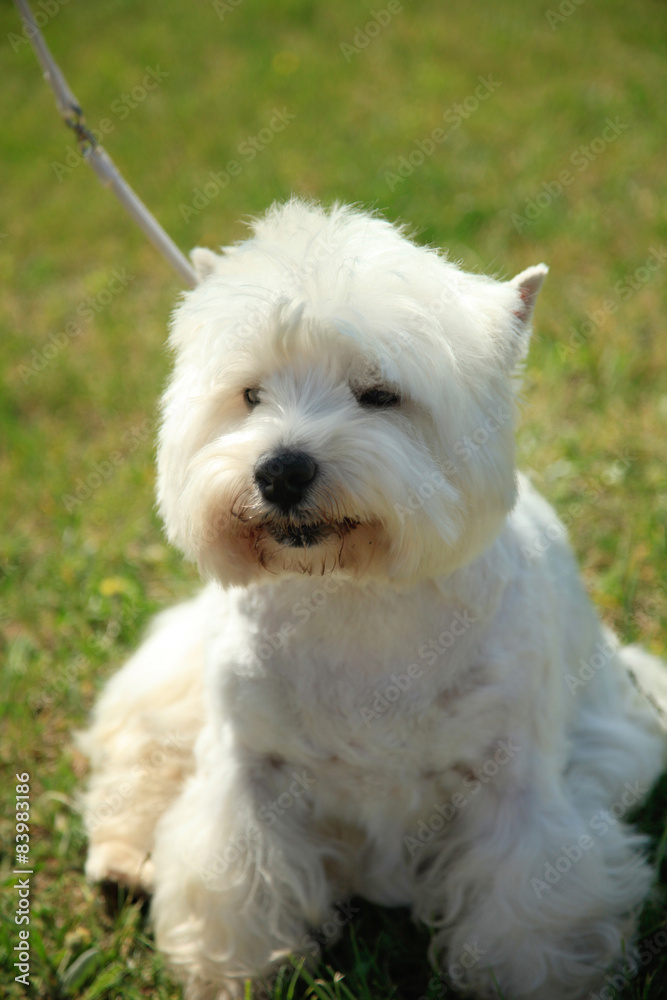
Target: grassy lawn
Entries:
(549, 144)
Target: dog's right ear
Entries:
(204, 261)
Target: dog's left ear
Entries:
(528, 284)
(204, 261)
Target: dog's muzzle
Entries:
(284, 480)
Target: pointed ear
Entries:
(528, 284)
(204, 261)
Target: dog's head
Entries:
(342, 401)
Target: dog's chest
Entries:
(376, 706)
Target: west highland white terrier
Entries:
(394, 685)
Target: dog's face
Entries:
(342, 401)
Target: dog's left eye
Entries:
(251, 396)
(379, 398)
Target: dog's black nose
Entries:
(284, 477)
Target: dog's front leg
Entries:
(239, 877)
(527, 894)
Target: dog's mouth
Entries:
(297, 529)
(313, 540)
(304, 535)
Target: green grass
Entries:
(80, 578)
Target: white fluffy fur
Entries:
(283, 740)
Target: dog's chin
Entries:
(276, 546)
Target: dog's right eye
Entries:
(251, 396)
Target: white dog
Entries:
(394, 685)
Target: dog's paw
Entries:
(117, 861)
